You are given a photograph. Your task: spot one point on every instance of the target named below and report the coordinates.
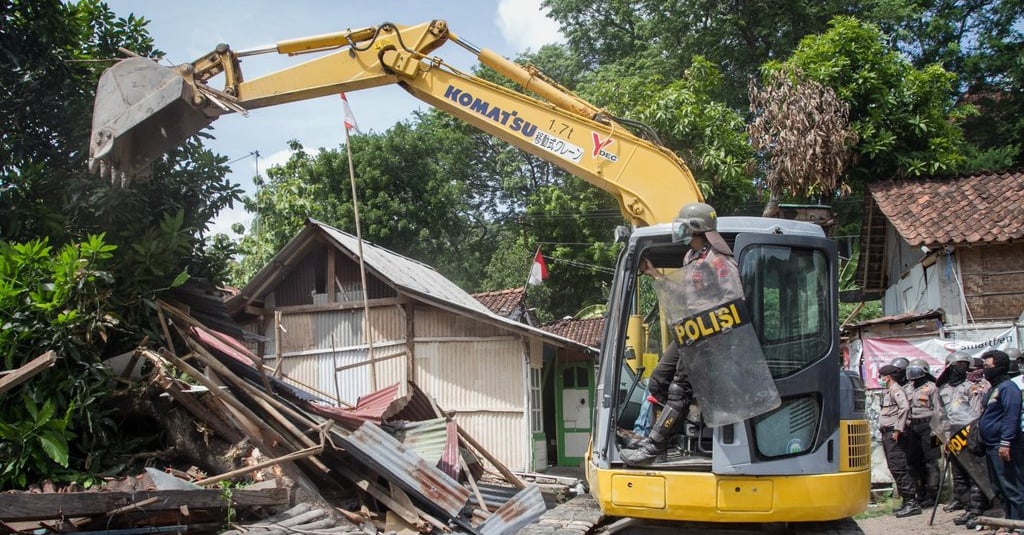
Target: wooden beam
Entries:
(24, 506)
(316, 450)
(343, 305)
(15, 377)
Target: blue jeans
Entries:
(1006, 479)
(642, 426)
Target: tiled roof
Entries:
(587, 332)
(980, 208)
(502, 302)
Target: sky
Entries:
(186, 29)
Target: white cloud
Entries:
(524, 25)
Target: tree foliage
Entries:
(82, 259)
(56, 426)
(662, 38)
(904, 117)
(414, 185)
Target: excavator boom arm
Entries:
(143, 110)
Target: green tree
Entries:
(63, 288)
(56, 426)
(981, 41)
(904, 118)
(417, 189)
(663, 37)
(709, 135)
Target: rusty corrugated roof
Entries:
(979, 208)
(373, 407)
(523, 509)
(401, 465)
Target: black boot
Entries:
(964, 519)
(656, 444)
(954, 505)
(910, 508)
(647, 453)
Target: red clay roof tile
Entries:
(502, 302)
(587, 332)
(979, 208)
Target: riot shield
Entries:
(956, 449)
(723, 359)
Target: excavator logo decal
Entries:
(600, 144)
(513, 122)
(558, 147)
(510, 119)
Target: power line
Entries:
(253, 154)
(573, 263)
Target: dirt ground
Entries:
(888, 524)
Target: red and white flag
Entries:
(539, 271)
(350, 120)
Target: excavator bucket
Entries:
(142, 110)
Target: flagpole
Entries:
(367, 335)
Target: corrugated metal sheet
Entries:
(461, 374)
(371, 445)
(405, 272)
(525, 507)
(494, 495)
(337, 329)
(504, 435)
(429, 439)
(317, 370)
(435, 323)
(233, 354)
(369, 408)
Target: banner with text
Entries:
(877, 352)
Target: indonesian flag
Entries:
(350, 120)
(539, 271)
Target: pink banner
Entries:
(881, 351)
(877, 352)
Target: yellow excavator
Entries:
(804, 459)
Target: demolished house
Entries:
(429, 424)
(495, 375)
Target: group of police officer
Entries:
(919, 413)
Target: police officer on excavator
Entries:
(709, 277)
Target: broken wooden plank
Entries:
(35, 506)
(316, 450)
(12, 378)
(189, 402)
(412, 515)
(508, 474)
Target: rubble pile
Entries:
(391, 463)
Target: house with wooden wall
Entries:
(950, 245)
(324, 330)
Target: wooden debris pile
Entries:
(137, 505)
(347, 468)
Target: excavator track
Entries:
(582, 516)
